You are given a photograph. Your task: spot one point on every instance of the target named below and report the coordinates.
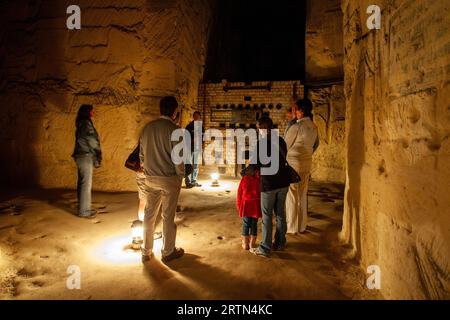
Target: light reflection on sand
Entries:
(117, 250)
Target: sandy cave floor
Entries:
(40, 237)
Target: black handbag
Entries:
(294, 177)
(133, 161)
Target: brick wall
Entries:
(229, 105)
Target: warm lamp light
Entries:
(137, 232)
(215, 179)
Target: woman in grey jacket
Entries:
(87, 154)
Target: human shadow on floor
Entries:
(320, 216)
(156, 271)
(215, 282)
(168, 282)
(313, 229)
(66, 200)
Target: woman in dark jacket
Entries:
(87, 154)
(274, 188)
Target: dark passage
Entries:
(255, 40)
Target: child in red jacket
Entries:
(249, 205)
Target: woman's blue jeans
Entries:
(273, 202)
(85, 167)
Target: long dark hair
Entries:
(306, 106)
(265, 122)
(84, 113)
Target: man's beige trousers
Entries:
(162, 195)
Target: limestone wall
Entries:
(125, 57)
(324, 74)
(324, 48)
(397, 207)
(329, 116)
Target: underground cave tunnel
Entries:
(379, 180)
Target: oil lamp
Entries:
(137, 232)
(215, 179)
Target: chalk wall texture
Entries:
(329, 116)
(127, 55)
(397, 208)
(324, 41)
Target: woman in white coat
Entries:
(301, 140)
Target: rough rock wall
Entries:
(126, 56)
(329, 116)
(324, 66)
(397, 207)
(324, 47)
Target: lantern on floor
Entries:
(137, 232)
(215, 179)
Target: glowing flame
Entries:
(215, 176)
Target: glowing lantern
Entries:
(137, 232)
(215, 179)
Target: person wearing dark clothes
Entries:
(191, 178)
(87, 154)
(274, 189)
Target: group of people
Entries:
(262, 196)
(159, 180)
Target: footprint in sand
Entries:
(37, 284)
(40, 237)
(99, 206)
(25, 273)
(61, 249)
